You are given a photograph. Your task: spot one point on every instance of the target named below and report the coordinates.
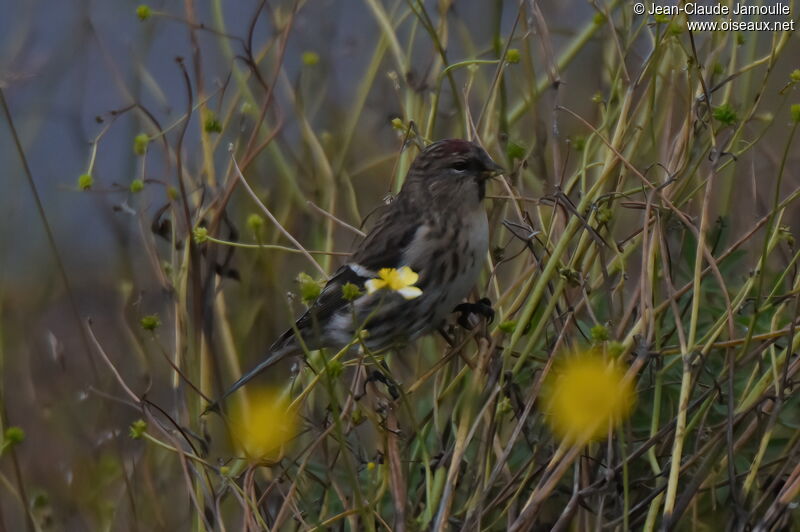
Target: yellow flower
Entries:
(400, 281)
(262, 425)
(585, 396)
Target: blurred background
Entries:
(82, 79)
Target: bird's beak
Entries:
(493, 170)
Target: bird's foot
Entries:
(378, 376)
(482, 307)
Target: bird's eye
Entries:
(460, 166)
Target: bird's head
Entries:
(454, 168)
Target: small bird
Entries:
(437, 227)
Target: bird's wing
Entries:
(330, 300)
(383, 247)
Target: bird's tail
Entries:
(282, 348)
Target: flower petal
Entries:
(393, 280)
(374, 285)
(410, 292)
(408, 276)
(585, 396)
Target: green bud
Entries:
(350, 292)
(310, 58)
(335, 369)
(150, 322)
(725, 114)
(503, 406)
(40, 501)
(513, 56)
(85, 181)
(615, 349)
(172, 193)
(579, 143)
(200, 235)
(13, 436)
(597, 97)
(309, 288)
(137, 429)
(398, 124)
(514, 151)
(795, 111)
(604, 215)
(572, 277)
(676, 28)
(599, 333)
(137, 185)
(211, 124)
(795, 75)
(144, 12)
(255, 222)
(140, 143)
(599, 18)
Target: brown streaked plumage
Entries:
(437, 226)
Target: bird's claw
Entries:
(482, 307)
(377, 376)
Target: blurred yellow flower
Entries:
(401, 281)
(262, 425)
(585, 395)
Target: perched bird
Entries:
(437, 227)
